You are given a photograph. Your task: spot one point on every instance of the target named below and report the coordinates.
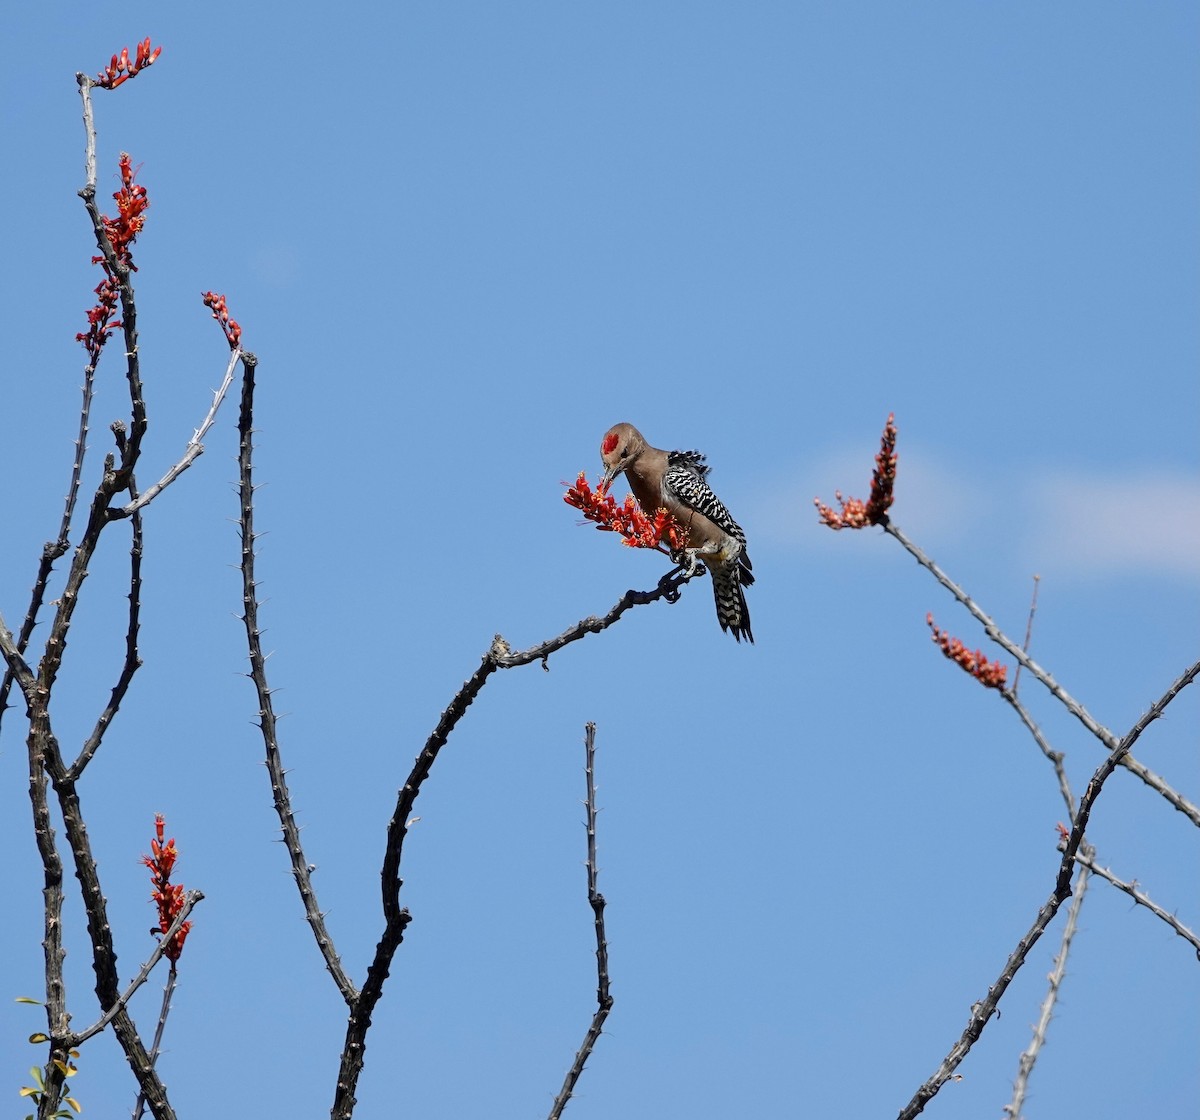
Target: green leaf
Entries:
(37, 1037)
(27, 999)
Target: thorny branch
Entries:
(120, 270)
(1056, 690)
(857, 514)
(1030, 1055)
(133, 660)
(45, 756)
(1168, 792)
(396, 918)
(1087, 861)
(604, 999)
(139, 1106)
(46, 759)
(47, 767)
(362, 1002)
(982, 1011)
(54, 550)
(258, 674)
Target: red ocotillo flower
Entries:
(167, 896)
(101, 323)
(121, 69)
(637, 528)
(216, 304)
(857, 514)
(132, 203)
(990, 674)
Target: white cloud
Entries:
(1146, 521)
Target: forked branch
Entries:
(983, 1010)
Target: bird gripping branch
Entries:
(677, 481)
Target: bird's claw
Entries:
(687, 563)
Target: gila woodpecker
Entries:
(676, 481)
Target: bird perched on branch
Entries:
(677, 481)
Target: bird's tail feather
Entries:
(732, 612)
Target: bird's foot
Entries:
(687, 564)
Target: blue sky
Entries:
(464, 240)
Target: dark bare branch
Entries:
(258, 674)
(604, 1000)
(983, 1010)
(164, 1010)
(133, 661)
(1030, 1055)
(396, 918)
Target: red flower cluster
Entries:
(121, 69)
(857, 514)
(132, 202)
(168, 896)
(637, 529)
(100, 322)
(216, 304)
(990, 674)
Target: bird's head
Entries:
(620, 447)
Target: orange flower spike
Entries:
(220, 311)
(855, 513)
(990, 674)
(169, 897)
(883, 480)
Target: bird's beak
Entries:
(609, 475)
